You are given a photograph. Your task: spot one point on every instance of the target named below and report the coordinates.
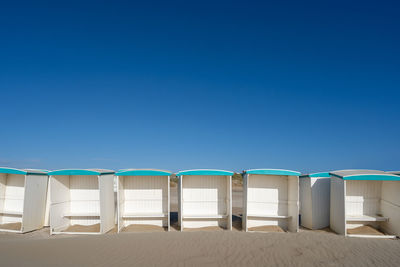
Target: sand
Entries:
(197, 248)
(267, 228)
(11, 226)
(94, 228)
(364, 230)
(144, 228)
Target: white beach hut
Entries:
(205, 199)
(82, 201)
(143, 198)
(315, 191)
(22, 199)
(271, 200)
(365, 203)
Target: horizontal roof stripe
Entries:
(204, 172)
(81, 172)
(22, 172)
(142, 172)
(318, 174)
(273, 172)
(373, 175)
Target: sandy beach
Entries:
(197, 248)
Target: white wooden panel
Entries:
(120, 200)
(245, 193)
(146, 195)
(34, 202)
(363, 197)
(306, 204)
(267, 195)
(321, 197)
(229, 204)
(205, 195)
(390, 207)
(337, 210)
(84, 197)
(3, 181)
(48, 201)
(293, 203)
(180, 193)
(107, 206)
(14, 197)
(59, 202)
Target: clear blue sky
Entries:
(174, 85)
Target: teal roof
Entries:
(22, 172)
(204, 172)
(273, 172)
(318, 174)
(366, 175)
(81, 172)
(142, 172)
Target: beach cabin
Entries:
(315, 191)
(270, 200)
(143, 199)
(365, 203)
(22, 200)
(81, 201)
(205, 199)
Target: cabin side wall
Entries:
(34, 202)
(59, 202)
(120, 201)
(3, 178)
(107, 203)
(48, 201)
(321, 197)
(390, 207)
(245, 188)
(306, 204)
(293, 203)
(337, 206)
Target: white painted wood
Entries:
(35, 197)
(144, 200)
(81, 200)
(315, 202)
(293, 204)
(23, 200)
(366, 202)
(321, 199)
(245, 213)
(13, 198)
(338, 206)
(48, 201)
(271, 200)
(205, 200)
(270, 216)
(306, 203)
(373, 236)
(180, 224)
(366, 218)
(59, 203)
(107, 203)
(390, 207)
(120, 202)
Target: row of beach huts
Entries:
(359, 203)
